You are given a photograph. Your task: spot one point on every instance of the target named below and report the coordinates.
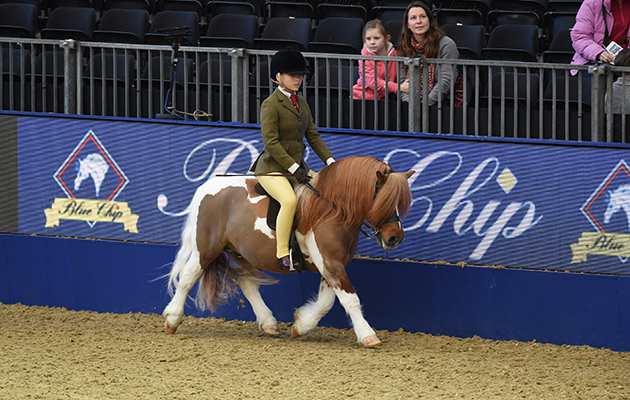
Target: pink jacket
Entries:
(588, 33)
(392, 87)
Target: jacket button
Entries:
(299, 119)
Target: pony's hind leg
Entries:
(266, 321)
(187, 277)
(308, 316)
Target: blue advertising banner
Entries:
(501, 203)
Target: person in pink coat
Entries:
(588, 34)
(376, 42)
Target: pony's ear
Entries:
(409, 173)
(380, 178)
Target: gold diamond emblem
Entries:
(507, 180)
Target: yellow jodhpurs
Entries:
(280, 189)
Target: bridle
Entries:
(372, 230)
(375, 230)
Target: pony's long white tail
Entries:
(184, 253)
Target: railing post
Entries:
(240, 107)
(598, 93)
(416, 123)
(70, 76)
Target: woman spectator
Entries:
(599, 22)
(421, 36)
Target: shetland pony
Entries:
(226, 241)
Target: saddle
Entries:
(272, 216)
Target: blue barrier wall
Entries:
(527, 204)
(504, 304)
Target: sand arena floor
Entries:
(54, 353)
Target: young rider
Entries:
(285, 120)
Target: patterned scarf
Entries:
(419, 48)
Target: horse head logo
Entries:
(95, 166)
(618, 199)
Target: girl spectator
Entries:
(376, 42)
(422, 36)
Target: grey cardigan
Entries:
(444, 73)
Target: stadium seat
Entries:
(18, 20)
(513, 90)
(282, 32)
(123, 26)
(561, 48)
(338, 35)
(145, 5)
(182, 5)
(15, 75)
(76, 23)
(108, 85)
(361, 9)
(94, 4)
(231, 30)
(49, 78)
(290, 9)
(512, 43)
(216, 7)
(470, 39)
(167, 26)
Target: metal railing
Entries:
(507, 99)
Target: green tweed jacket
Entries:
(283, 132)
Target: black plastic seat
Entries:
(556, 21)
(123, 26)
(49, 76)
(338, 35)
(290, 9)
(94, 4)
(129, 5)
(470, 39)
(231, 30)
(513, 90)
(361, 9)
(282, 32)
(76, 23)
(512, 43)
(18, 20)
(561, 49)
(181, 5)
(16, 68)
(108, 85)
(169, 26)
(216, 7)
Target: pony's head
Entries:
(359, 189)
(392, 194)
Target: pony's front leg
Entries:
(308, 316)
(174, 311)
(352, 305)
(266, 321)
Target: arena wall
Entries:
(528, 209)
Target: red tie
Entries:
(294, 101)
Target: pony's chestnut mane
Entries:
(350, 184)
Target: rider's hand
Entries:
(301, 175)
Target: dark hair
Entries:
(623, 58)
(375, 24)
(432, 37)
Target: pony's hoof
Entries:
(169, 329)
(294, 332)
(271, 330)
(371, 341)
